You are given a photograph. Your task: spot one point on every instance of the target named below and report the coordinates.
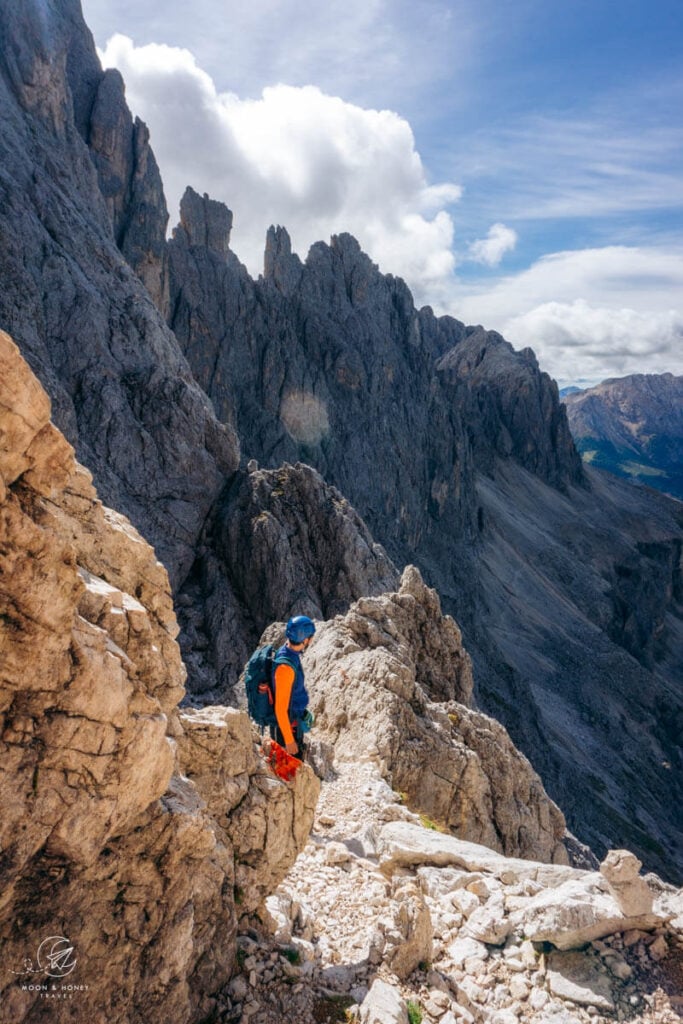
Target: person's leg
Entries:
(276, 735)
(300, 742)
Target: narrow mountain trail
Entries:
(338, 927)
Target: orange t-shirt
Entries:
(284, 682)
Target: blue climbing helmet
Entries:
(300, 628)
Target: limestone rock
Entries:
(337, 853)
(620, 868)
(463, 949)
(99, 827)
(267, 831)
(215, 751)
(579, 978)
(277, 915)
(392, 674)
(130, 182)
(383, 1005)
(489, 923)
(403, 844)
(205, 222)
(577, 912)
(409, 933)
(516, 407)
(281, 266)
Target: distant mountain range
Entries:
(632, 426)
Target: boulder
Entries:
(579, 978)
(408, 932)
(463, 949)
(383, 1005)
(489, 923)
(620, 868)
(577, 913)
(403, 844)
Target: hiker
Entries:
(291, 698)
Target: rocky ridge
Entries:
(391, 680)
(382, 914)
(386, 911)
(132, 833)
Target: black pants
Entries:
(297, 730)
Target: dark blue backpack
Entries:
(258, 682)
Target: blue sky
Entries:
(521, 165)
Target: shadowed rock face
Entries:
(514, 410)
(581, 595)
(327, 363)
(633, 426)
(567, 590)
(279, 543)
(121, 390)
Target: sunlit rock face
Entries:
(393, 683)
(127, 827)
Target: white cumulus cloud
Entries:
(602, 342)
(592, 313)
(490, 250)
(294, 156)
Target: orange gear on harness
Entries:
(280, 762)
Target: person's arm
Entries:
(284, 681)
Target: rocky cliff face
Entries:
(513, 410)
(311, 364)
(78, 178)
(127, 828)
(278, 543)
(633, 426)
(563, 586)
(393, 683)
(611, 703)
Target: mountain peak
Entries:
(206, 222)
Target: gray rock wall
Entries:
(457, 452)
(121, 390)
